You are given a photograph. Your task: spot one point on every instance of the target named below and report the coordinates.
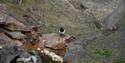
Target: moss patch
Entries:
(104, 52)
(122, 21)
(120, 60)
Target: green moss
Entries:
(104, 52)
(120, 60)
(94, 61)
(47, 59)
(122, 21)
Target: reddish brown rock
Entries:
(53, 42)
(13, 35)
(13, 32)
(57, 43)
(31, 43)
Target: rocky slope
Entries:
(97, 25)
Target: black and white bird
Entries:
(61, 30)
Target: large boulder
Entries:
(13, 53)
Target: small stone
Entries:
(38, 49)
(1, 47)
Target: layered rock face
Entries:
(21, 43)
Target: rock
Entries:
(5, 41)
(27, 60)
(13, 35)
(79, 18)
(9, 22)
(112, 20)
(16, 35)
(54, 56)
(9, 54)
(12, 53)
(36, 44)
(14, 25)
(55, 41)
(30, 40)
(75, 51)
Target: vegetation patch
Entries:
(120, 60)
(47, 59)
(122, 21)
(104, 52)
